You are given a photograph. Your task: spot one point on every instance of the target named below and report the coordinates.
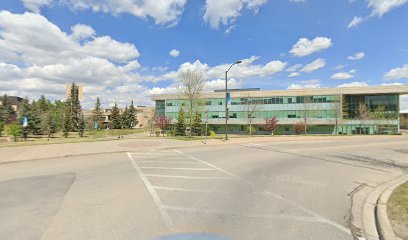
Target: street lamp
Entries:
(226, 98)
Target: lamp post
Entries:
(226, 98)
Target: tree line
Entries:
(46, 118)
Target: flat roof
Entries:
(392, 89)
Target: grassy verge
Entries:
(398, 211)
(58, 138)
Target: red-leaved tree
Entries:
(299, 127)
(271, 124)
(163, 122)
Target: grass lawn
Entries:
(57, 138)
(398, 211)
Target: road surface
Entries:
(263, 190)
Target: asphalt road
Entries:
(268, 190)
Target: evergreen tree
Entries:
(181, 125)
(43, 105)
(59, 113)
(7, 113)
(132, 115)
(49, 124)
(66, 127)
(1, 127)
(196, 128)
(34, 125)
(97, 114)
(25, 111)
(125, 118)
(81, 125)
(115, 118)
(76, 111)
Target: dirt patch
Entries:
(398, 211)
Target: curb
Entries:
(375, 218)
(384, 226)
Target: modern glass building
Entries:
(356, 110)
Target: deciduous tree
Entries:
(271, 125)
(299, 127)
(191, 85)
(163, 122)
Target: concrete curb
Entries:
(384, 226)
(375, 218)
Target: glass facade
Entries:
(324, 114)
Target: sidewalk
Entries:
(21, 153)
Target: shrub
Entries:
(212, 134)
(299, 127)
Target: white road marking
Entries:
(154, 161)
(181, 176)
(166, 218)
(268, 216)
(255, 144)
(316, 215)
(171, 168)
(183, 189)
(158, 154)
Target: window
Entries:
(220, 103)
(169, 104)
(208, 103)
(289, 100)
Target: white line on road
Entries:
(171, 168)
(166, 218)
(183, 189)
(255, 144)
(186, 177)
(316, 215)
(269, 216)
(154, 161)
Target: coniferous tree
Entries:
(34, 126)
(49, 124)
(97, 114)
(125, 118)
(196, 127)
(66, 127)
(132, 115)
(81, 125)
(115, 117)
(1, 127)
(7, 113)
(180, 125)
(25, 111)
(59, 113)
(76, 111)
(43, 105)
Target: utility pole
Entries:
(226, 99)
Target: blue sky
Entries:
(120, 50)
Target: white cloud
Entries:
(226, 12)
(392, 84)
(247, 69)
(381, 7)
(174, 53)
(81, 31)
(303, 86)
(163, 12)
(306, 47)
(339, 67)
(294, 74)
(397, 73)
(355, 22)
(38, 58)
(294, 68)
(356, 56)
(353, 84)
(344, 75)
(313, 66)
(35, 5)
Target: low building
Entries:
(355, 110)
(14, 101)
(143, 115)
(404, 120)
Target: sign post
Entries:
(25, 125)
